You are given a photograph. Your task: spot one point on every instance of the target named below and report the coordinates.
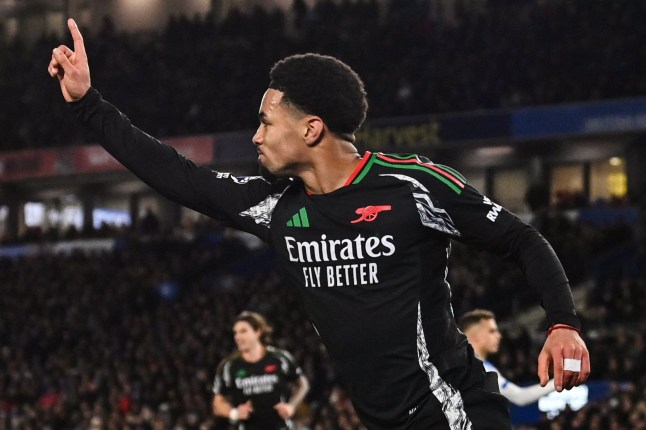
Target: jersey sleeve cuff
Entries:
(91, 98)
(566, 318)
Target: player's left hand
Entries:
(285, 410)
(566, 352)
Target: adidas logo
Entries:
(299, 219)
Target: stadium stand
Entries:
(128, 338)
(195, 75)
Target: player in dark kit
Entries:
(363, 238)
(253, 387)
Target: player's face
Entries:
(245, 336)
(489, 335)
(281, 148)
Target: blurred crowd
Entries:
(201, 75)
(129, 338)
(488, 281)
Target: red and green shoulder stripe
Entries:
(448, 176)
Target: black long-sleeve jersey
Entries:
(264, 382)
(369, 260)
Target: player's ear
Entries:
(314, 128)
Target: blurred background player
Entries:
(482, 331)
(258, 387)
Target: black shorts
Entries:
(485, 407)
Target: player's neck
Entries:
(331, 169)
(482, 354)
(255, 353)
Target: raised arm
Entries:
(243, 203)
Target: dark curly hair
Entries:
(324, 86)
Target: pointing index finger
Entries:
(79, 46)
